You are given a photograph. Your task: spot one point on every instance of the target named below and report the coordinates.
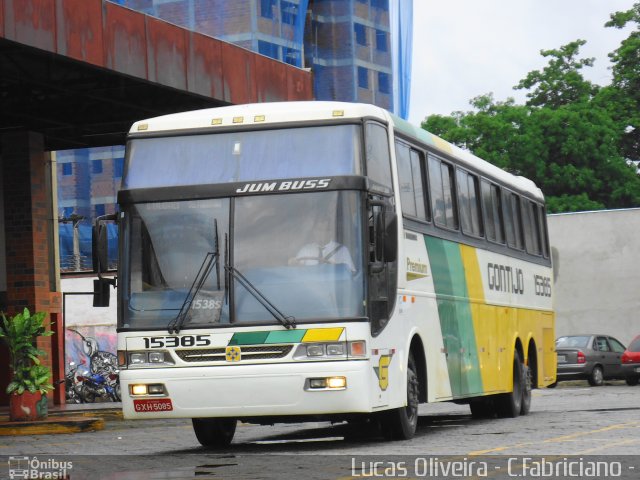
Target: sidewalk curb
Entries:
(56, 425)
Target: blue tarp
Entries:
(71, 260)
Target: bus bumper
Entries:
(247, 390)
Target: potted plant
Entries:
(30, 381)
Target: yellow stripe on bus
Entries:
(322, 335)
(485, 323)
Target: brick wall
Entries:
(27, 201)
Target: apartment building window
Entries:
(288, 12)
(361, 33)
(266, 8)
(383, 83)
(268, 49)
(67, 168)
(118, 167)
(381, 41)
(96, 166)
(381, 4)
(363, 77)
(291, 56)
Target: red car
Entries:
(631, 362)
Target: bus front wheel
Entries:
(401, 423)
(214, 432)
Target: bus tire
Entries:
(526, 391)
(401, 423)
(214, 432)
(508, 405)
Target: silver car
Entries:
(595, 358)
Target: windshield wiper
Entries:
(287, 321)
(210, 260)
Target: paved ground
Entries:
(569, 420)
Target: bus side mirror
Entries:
(100, 261)
(101, 292)
(99, 248)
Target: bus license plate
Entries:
(153, 405)
(562, 358)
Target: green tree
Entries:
(561, 81)
(566, 138)
(624, 92)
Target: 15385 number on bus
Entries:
(173, 341)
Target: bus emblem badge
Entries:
(382, 371)
(233, 354)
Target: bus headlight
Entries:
(156, 358)
(331, 351)
(137, 358)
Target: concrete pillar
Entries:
(29, 240)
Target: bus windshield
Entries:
(303, 252)
(238, 156)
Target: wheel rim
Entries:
(597, 376)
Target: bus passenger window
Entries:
(469, 201)
(543, 231)
(417, 169)
(411, 180)
(531, 228)
(491, 201)
(513, 220)
(405, 180)
(377, 155)
(445, 213)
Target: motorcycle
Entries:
(72, 384)
(96, 385)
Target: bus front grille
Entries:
(262, 352)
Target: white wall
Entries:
(597, 272)
(79, 309)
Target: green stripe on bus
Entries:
(285, 336)
(249, 338)
(261, 338)
(455, 316)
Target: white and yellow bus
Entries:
(322, 260)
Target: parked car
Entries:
(595, 358)
(631, 362)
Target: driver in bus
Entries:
(324, 249)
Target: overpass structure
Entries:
(78, 73)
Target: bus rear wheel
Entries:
(526, 391)
(214, 432)
(509, 405)
(401, 423)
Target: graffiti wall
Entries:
(90, 344)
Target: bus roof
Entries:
(293, 112)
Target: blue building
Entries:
(358, 51)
